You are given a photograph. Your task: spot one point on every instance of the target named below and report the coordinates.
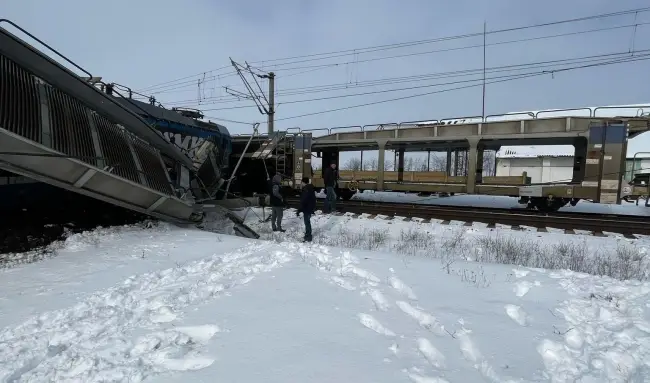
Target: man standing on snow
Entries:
(330, 177)
(277, 203)
(307, 206)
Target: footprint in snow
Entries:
(162, 314)
(199, 333)
(417, 378)
(520, 273)
(523, 287)
(173, 350)
(517, 314)
(343, 283)
(424, 319)
(381, 303)
(430, 353)
(401, 287)
(370, 322)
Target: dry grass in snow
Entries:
(570, 252)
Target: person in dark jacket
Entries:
(307, 206)
(277, 203)
(330, 178)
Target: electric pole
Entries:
(260, 100)
(484, 54)
(271, 113)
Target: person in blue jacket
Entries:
(307, 206)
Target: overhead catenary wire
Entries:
(279, 69)
(631, 59)
(187, 85)
(420, 77)
(327, 55)
(514, 77)
(427, 41)
(440, 75)
(510, 78)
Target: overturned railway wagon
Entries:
(207, 144)
(599, 162)
(61, 128)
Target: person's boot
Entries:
(281, 230)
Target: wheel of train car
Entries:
(346, 194)
(548, 205)
(353, 186)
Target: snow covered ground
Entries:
(371, 300)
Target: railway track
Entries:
(517, 218)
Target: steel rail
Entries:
(596, 223)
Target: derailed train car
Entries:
(208, 144)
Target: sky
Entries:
(144, 43)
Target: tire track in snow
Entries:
(91, 341)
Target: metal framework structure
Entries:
(57, 128)
(599, 163)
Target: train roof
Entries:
(170, 115)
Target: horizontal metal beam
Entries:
(55, 168)
(328, 142)
(48, 180)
